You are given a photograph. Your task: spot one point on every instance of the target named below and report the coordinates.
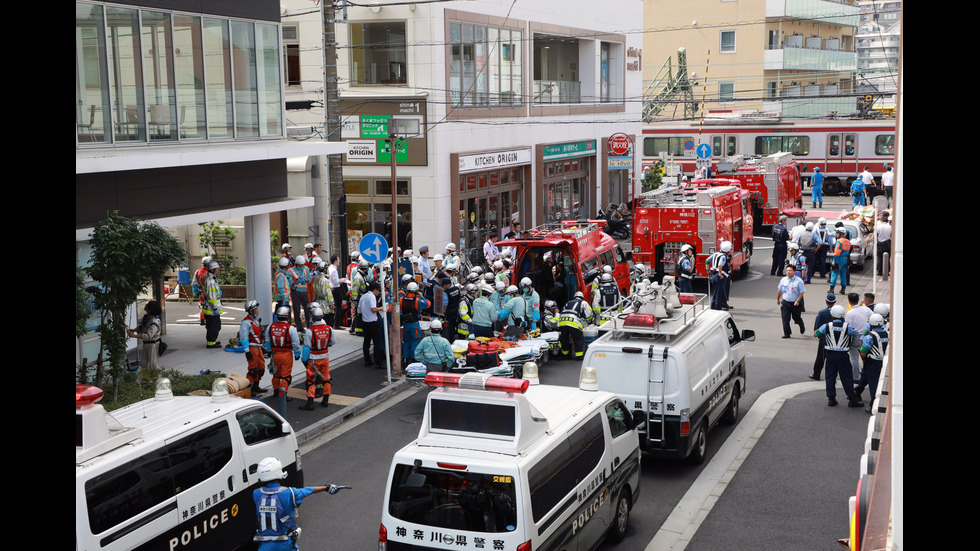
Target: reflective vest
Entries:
(410, 307)
(842, 249)
(255, 332)
(608, 295)
(320, 340)
(275, 522)
(279, 338)
(879, 344)
(837, 338)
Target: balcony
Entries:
(809, 58)
(826, 11)
(557, 91)
(810, 101)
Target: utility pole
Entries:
(331, 109)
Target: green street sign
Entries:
(384, 151)
(374, 126)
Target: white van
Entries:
(499, 465)
(173, 473)
(679, 373)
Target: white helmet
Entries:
(450, 246)
(213, 266)
(838, 312)
(686, 248)
(606, 278)
(407, 253)
(792, 246)
(470, 288)
(286, 247)
(512, 290)
(412, 287)
(498, 265)
(607, 269)
(476, 270)
(726, 246)
(882, 309)
(809, 225)
(308, 246)
(437, 258)
(526, 282)
(284, 262)
(579, 294)
(282, 313)
(506, 253)
(355, 255)
(301, 260)
(822, 221)
(435, 325)
(205, 261)
(317, 313)
(876, 320)
(639, 268)
(364, 264)
(270, 469)
(500, 286)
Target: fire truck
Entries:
(773, 180)
(563, 258)
(703, 216)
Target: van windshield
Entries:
(453, 500)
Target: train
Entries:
(841, 148)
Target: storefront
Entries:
(618, 169)
(567, 176)
(489, 193)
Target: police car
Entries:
(173, 473)
(500, 464)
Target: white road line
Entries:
(684, 521)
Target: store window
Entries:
(566, 190)
(489, 203)
(369, 210)
(378, 53)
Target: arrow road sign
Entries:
(374, 248)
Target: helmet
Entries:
(526, 282)
(407, 253)
(487, 290)
(308, 246)
(840, 229)
(213, 266)
(793, 246)
(406, 278)
(286, 247)
(282, 313)
(876, 320)
(512, 290)
(837, 312)
(449, 268)
(317, 313)
(470, 288)
(476, 270)
(355, 255)
(686, 248)
(809, 225)
(639, 268)
(579, 294)
(363, 264)
(251, 305)
(450, 246)
(284, 262)
(607, 269)
(882, 309)
(437, 258)
(726, 246)
(436, 325)
(506, 253)
(473, 278)
(606, 278)
(549, 304)
(822, 221)
(498, 265)
(205, 261)
(270, 469)
(500, 286)
(412, 287)
(301, 260)
(488, 278)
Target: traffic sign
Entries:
(374, 248)
(689, 144)
(619, 144)
(704, 151)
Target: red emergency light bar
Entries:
(86, 395)
(476, 381)
(640, 320)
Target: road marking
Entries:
(684, 521)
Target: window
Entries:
(726, 91)
(653, 147)
(727, 42)
(378, 53)
(885, 144)
(290, 57)
(571, 462)
(259, 426)
(484, 65)
(619, 417)
(797, 145)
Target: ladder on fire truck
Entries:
(565, 228)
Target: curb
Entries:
(358, 407)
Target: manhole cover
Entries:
(411, 418)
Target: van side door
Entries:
(264, 434)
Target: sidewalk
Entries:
(355, 387)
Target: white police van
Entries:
(680, 371)
(173, 473)
(501, 465)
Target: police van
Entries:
(678, 365)
(499, 464)
(173, 473)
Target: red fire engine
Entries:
(703, 216)
(564, 258)
(774, 181)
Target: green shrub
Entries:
(134, 387)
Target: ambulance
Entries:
(566, 257)
(502, 465)
(174, 473)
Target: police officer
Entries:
(837, 336)
(276, 506)
(780, 236)
(572, 320)
(685, 267)
(823, 318)
(808, 246)
(842, 255)
(211, 298)
(822, 239)
(316, 345)
(594, 290)
(797, 260)
(412, 304)
(453, 296)
(283, 340)
(434, 350)
(250, 335)
(606, 297)
(359, 286)
(720, 270)
(874, 346)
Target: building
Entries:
(877, 49)
(180, 119)
(783, 57)
(515, 103)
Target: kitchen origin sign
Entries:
(494, 160)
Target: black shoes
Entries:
(855, 402)
(831, 401)
(309, 405)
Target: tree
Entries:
(654, 177)
(214, 236)
(127, 256)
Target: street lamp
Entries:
(399, 131)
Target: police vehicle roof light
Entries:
(588, 380)
(219, 391)
(530, 372)
(164, 390)
(476, 381)
(640, 320)
(86, 395)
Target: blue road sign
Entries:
(374, 248)
(689, 144)
(704, 151)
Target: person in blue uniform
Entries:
(836, 337)
(686, 268)
(874, 346)
(780, 237)
(276, 506)
(816, 190)
(823, 318)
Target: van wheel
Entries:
(617, 532)
(731, 413)
(700, 449)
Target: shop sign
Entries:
(362, 151)
(374, 126)
(384, 151)
(494, 160)
(568, 150)
(620, 162)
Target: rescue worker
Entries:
(823, 317)
(211, 298)
(594, 290)
(412, 304)
(549, 321)
(797, 260)
(874, 346)
(276, 506)
(498, 299)
(719, 269)
(355, 261)
(435, 351)
(842, 255)
(515, 309)
(283, 340)
(311, 255)
(638, 275)
(359, 286)
(316, 346)
(451, 257)
(484, 313)
(282, 283)
(323, 293)
(816, 188)
(858, 192)
(572, 320)
(250, 335)
(837, 336)
(465, 326)
(198, 283)
(287, 253)
(685, 268)
(823, 239)
(780, 237)
(533, 301)
(299, 295)
(453, 297)
(606, 297)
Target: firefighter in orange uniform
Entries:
(282, 339)
(317, 341)
(250, 335)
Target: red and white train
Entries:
(840, 148)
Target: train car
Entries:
(840, 148)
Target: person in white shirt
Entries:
(490, 252)
(883, 239)
(888, 181)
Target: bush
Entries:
(232, 276)
(134, 387)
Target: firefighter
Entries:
(299, 295)
(685, 268)
(412, 304)
(323, 293)
(283, 340)
(874, 346)
(287, 253)
(211, 298)
(533, 301)
(514, 309)
(549, 322)
(606, 297)
(837, 336)
(316, 346)
(250, 335)
(198, 283)
(572, 320)
(359, 285)
(465, 326)
(842, 255)
(606, 269)
(638, 275)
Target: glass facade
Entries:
(378, 53)
(489, 202)
(146, 76)
(484, 65)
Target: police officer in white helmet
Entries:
(275, 506)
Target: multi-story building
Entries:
(791, 58)
(878, 40)
(515, 103)
(180, 119)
